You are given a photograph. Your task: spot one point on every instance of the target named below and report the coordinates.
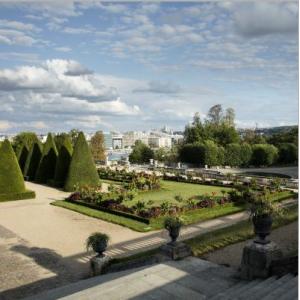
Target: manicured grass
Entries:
(169, 189)
(123, 221)
(201, 214)
(189, 217)
(219, 238)
(233, 234)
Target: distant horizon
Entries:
(112, 66)
(118, 131)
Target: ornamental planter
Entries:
(174, 233)
(262, 227)
(99, 247)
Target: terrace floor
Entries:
(43, 246)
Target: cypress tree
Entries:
(11, 178)
(33, 160)
(63, 162)
(82, 170)
(23, 157)
(46, 168)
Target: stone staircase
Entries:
(191, 278)
(284, 288)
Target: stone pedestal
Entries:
(257, 259)
(98, 264)
(176, 250)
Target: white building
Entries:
(160, 142)
(117, 141)
(130, 137)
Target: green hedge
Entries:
(17, 196)
(23, 157)
(47, 164)
(11, 177)
(82, 170)
(111, 211)
(33, 160)
(63, 162)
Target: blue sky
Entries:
(135, 66)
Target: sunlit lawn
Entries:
(169, 189)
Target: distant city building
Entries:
(108, 142)
(160, 142)
(117, 141)
(130, 137)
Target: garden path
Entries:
(47, 243)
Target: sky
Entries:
(117, 66)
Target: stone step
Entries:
(269, 287)
(292, 294)
(237, 292)
(227, 292)
(264, 285)
(281, 289)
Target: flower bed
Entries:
(114, 202)
(132, 180)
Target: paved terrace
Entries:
(43, 246)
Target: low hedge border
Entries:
(17, 196)
(114, 212)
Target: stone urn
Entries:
(173, 225)
(98, 242)
(262, 227)
(100, 247)
(174, 233)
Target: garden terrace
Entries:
(136, 209)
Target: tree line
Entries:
(216, 141)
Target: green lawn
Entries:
(220, 238)
(189, 217)
(169, 189)
(235, 233)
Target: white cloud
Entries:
(18, 25)
(14, 37)
(263, 18)
(60, 88)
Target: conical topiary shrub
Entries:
(82, 170)
(46, 168)
(23, 157)
(33, 160)
(12, 185)
(63, 162)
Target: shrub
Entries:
(288, 153)
(33, 160)
(63, 162)
(11, 178)
(46, 168)
(233, 155)
(264, 154)
(23, 157)
(17, 196)
(82, 170)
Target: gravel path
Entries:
(285, 237)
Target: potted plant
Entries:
(98, 242)
(262, 211)
(173, 225)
